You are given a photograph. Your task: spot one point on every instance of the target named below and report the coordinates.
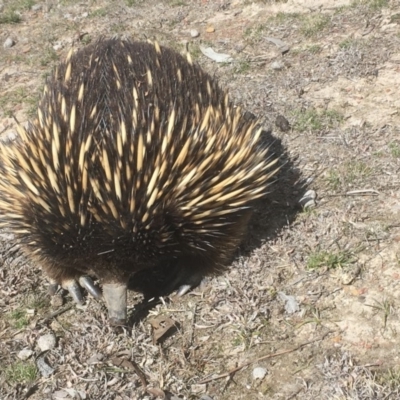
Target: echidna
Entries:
(136, 158)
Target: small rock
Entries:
(44, 368)
(36, 7)
(8, 137)
(282, 123)
(57, 46)
(85, 15)
(47, 342)
(205, 397)
(194, 33)
(8, 43)
(259, 373)
(24, 354)
(291, 304)
(198, 388)
(210, 29)
(277, 66)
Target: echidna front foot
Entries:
(74, 288)
(185, 281)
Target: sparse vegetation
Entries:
(314, 24)
(10, 17)
(313, 120)
(20, 372)
(100, 12)
(242, 66)
(394, 148)
(328, 260)
(18, 319)
(333, 179)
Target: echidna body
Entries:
(136, 158)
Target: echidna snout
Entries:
(136, 159)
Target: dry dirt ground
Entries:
(312, 299)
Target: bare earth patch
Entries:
(313, 296)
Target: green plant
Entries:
(100, 12)
(314, 24)
(394, 148)
(10, 17)
(333, 179)
(329, 260)
(18, 318)
(313, 120)
(21, 372)
(242, 66)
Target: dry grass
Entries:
(339, 260)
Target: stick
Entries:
(266, 357)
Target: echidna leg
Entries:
(75, 289)
(115, 296)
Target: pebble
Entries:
(47, 342)
(8, 137)
(259, 373)
(8, 43)
(36, 7)
(194, 33)
(282, 123)
(210, 29)
(58, 46)
(24, 354)
(277, 66)
(205, 397)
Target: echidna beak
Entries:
(115, 297)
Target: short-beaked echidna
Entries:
(136, 158)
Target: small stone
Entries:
(8, 43)
(210, 29)
(198, 388)
(24, 354)
(36, 7)
(85, 15)
(57, 46)
(194, 33)
(47, 342)
(282, 123)
(277, 66)
(259, 373)
(205, 397)
(8, 137)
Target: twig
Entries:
(266, 357)
(361, 192)
(58, 312)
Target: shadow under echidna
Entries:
(137, 161)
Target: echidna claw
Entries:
(183, 289)
(87, 283)
(74, 290)
(53, 288)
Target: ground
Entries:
(313, 295)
